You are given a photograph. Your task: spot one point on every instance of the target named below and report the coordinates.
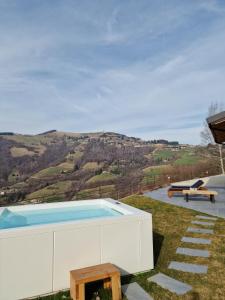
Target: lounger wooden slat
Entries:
(173, 191)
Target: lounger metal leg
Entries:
(212, 198)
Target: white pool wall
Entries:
(36, 260)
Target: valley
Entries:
(57, 166)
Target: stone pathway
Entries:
(171, 284)
(200, 230)
(196, 240)
(206, 218)
(186, 267)
(203, 223)
(193, 252)
(177, 286)
(134, 291)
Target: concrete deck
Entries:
(198, 203)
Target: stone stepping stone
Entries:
(200, 230)
(193, 252)
(206, 218)
(173, 285)
(133, 291)
(196, 240)
(186, 267)
(203, 223)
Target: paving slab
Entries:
(171, 284)
(200, 230)
(206, 218)
(193, 252)
(186, 267)
(203, 223)
(134, 291)
(195, 240)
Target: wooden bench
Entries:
(106, 272)
(210, 194)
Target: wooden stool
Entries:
(106, 272)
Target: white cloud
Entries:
(140, 68)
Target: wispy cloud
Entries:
(145, 68)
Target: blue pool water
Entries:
(9, 219)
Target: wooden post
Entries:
(221, 158)
(99, 191)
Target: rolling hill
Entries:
(55, 165)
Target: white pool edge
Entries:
(125, 210)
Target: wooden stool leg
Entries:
(72, 288)
(107, 283)
(81, 291)
(116, 288)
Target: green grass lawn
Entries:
(102, 191)
(56, 170)
(150, 173)
(187, 159)
(163, 154)
(169, 226)
(29, 140)
(51, 191)
(91, 166)
(20, 151)
(102, 177)
(19, 185)
(155, 170)
(75, 156)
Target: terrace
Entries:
(201, 204)
(197, 203)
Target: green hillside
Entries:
(40, 166)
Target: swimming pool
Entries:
(11, 219)
(41, 243)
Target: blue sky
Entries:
(143, 68)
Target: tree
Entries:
(206, 134)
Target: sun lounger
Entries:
(210, 194)
(179, 188)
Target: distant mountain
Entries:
(46, 132)
(7, 133)
(51, 164)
